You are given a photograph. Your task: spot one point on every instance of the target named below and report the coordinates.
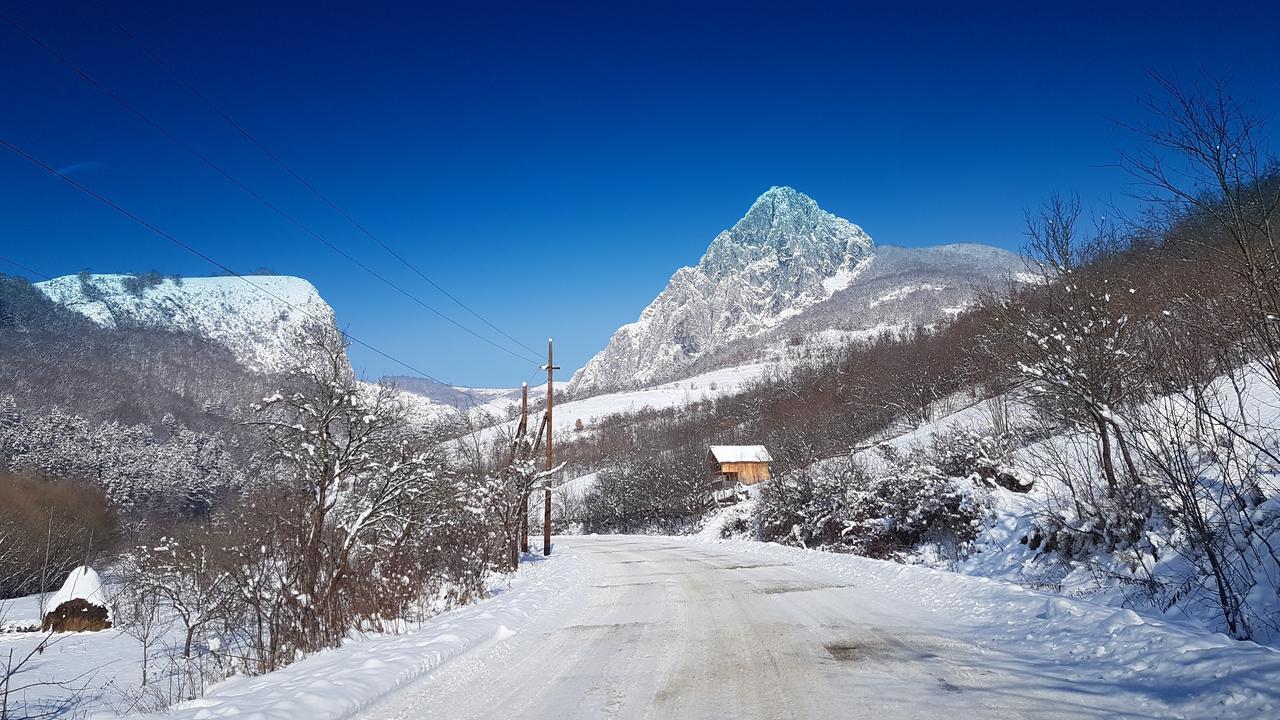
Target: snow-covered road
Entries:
(670, 628)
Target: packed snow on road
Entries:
(630, 626)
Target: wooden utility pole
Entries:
(546, 485)
(524, 427)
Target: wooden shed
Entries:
(746, 464)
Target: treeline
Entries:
(813, 411)
(104, 426)
(65, 477)
(651, 465)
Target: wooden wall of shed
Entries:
(749, 473)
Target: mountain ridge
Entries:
(258, 327)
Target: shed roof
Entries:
(740, 453)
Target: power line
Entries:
(109, 203)
(20, 266)
(230, 178)
(314, 191)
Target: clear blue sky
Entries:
(553, 165)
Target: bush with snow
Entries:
(644, 494)
(844, 507)
(982, 457)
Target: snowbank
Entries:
(337, 683)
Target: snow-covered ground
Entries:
(105, 667)
(94, 670)
(696, 627)
(718, 383)
(685, 628)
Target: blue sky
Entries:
(551, 164)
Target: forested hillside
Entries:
(51, 356)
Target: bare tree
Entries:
(1203, 160)
(1079, 342)
(142, 616)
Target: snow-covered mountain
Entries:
(785, 255)
(788, 272)
(462, 398)
(256, 325)
(252, 324)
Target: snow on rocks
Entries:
(785, 255)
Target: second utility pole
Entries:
(521, 431)
(546, 495)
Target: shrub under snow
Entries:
(842, 506)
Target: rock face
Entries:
(257, 326)
(788, 273)
(784, 256)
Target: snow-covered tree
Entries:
(356, 487)
(1080, 341)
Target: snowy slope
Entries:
(717, 383)
(251, 323)
(1002, 549)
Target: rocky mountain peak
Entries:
(779, 213)
(785, 255)
(788, 227)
